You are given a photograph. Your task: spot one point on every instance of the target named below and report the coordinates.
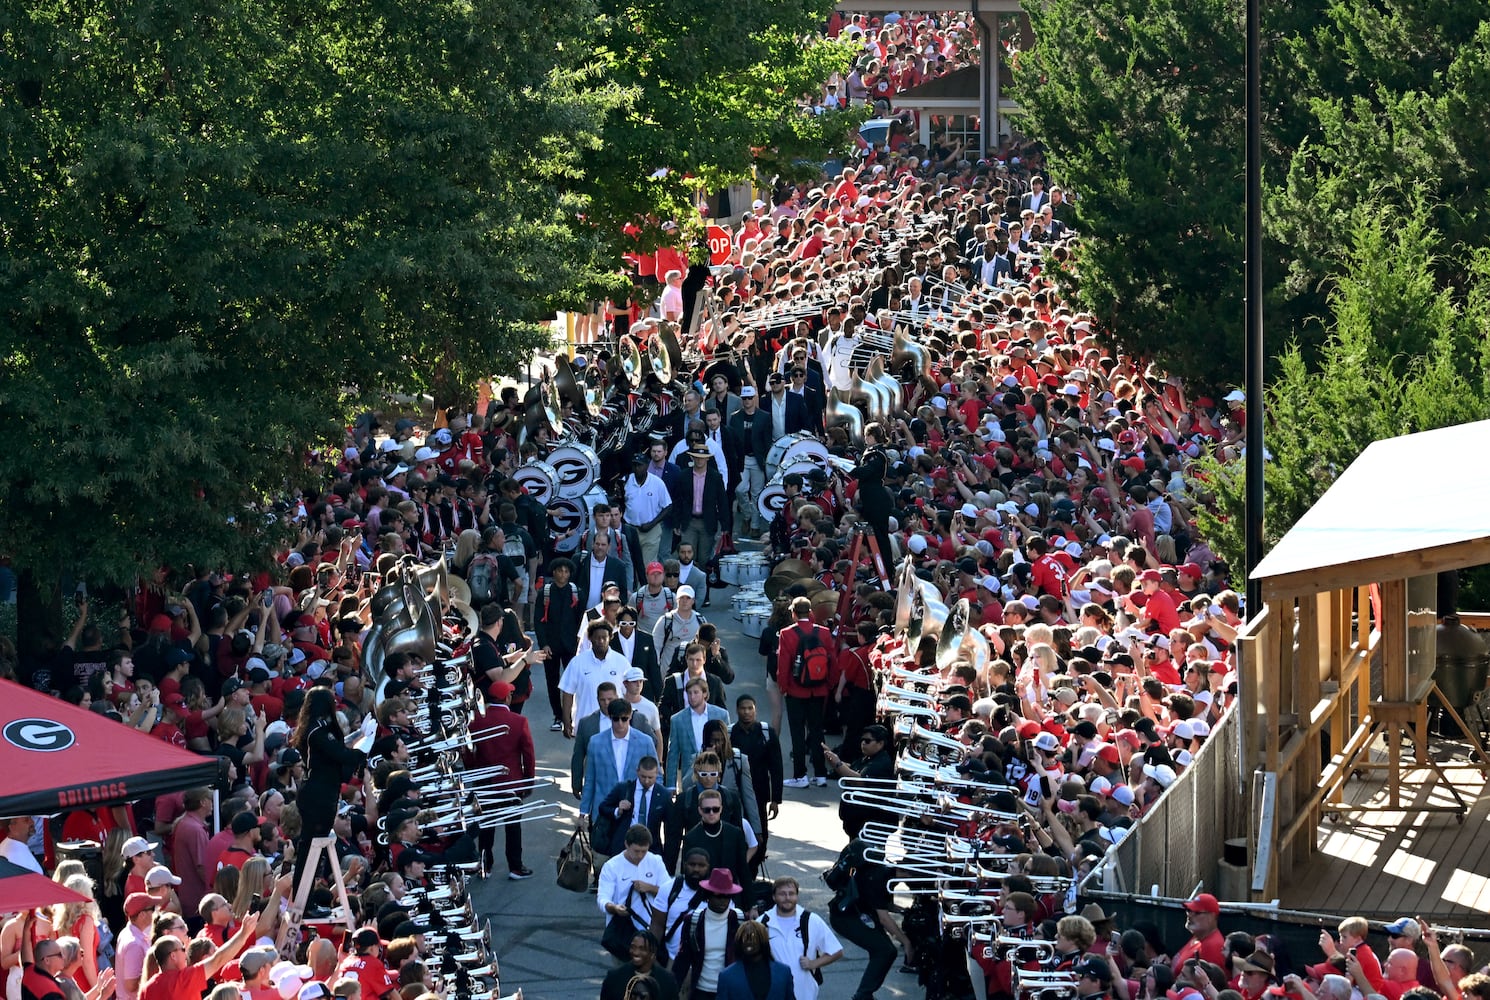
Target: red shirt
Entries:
(270, 707)
(786, 652)
(1208, 948)
(1048, 576)
(371, 973)
(233, 857)
(176, 984)
(170, 733)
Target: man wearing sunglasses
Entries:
(724, 842)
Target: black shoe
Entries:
(519, 873)
(556, 726)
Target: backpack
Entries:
(810, 665)
(514, 549)
(841, 878)
(803, 921)
(548, 589)
(667, 599)
(480, 575)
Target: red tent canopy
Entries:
(21, 889)
(56, 756)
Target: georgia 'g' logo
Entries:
(41, 735)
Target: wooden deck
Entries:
(1385, 865)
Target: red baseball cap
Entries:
(655, 567)
(1028, 730)
(160, 623)
(1203, 903)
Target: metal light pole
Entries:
(1252, 334)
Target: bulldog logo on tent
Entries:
(41, 735)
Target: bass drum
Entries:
(577, 467)
(799, 447)
(773, 494)
(772, 499)
(539, 478)
(565, 514)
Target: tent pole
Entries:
(216, 813)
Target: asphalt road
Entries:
(548, 939)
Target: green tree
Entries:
(713, 89)
(1403, 355)
(1138, 106)
(226, 223)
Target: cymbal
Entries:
(826, 599)
(778, 585)
(792, 568)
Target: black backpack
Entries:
(842, 878)
(817, 974)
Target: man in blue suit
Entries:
(642, 801)
(685, 733)
(613, 756)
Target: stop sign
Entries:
(720, 245)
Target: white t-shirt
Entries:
(840, 354)
(615, 883)
(716, 934)
(786, 946)
(585, 673)
(647, 709)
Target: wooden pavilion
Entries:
(1353, 800)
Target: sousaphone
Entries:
(569, 387)
(659, 361)
(630, 358)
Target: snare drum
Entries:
(577, 468)
(539, 478)
(753, 570)
(754, 618)
(729, 567)
(741, 600)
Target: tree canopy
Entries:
(225, 222)
(228, 224)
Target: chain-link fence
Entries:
(1180, 841)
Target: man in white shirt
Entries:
(586, 671)
(804, 953)
(647, 503)
(640, 703)
(18, 831)
(840, 354)
(629, 881)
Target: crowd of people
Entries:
(1026, 475)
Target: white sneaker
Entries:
(795, 782)
(820, 782)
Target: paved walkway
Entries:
(548, 939)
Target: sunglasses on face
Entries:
(707, 774)
(709, 809)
